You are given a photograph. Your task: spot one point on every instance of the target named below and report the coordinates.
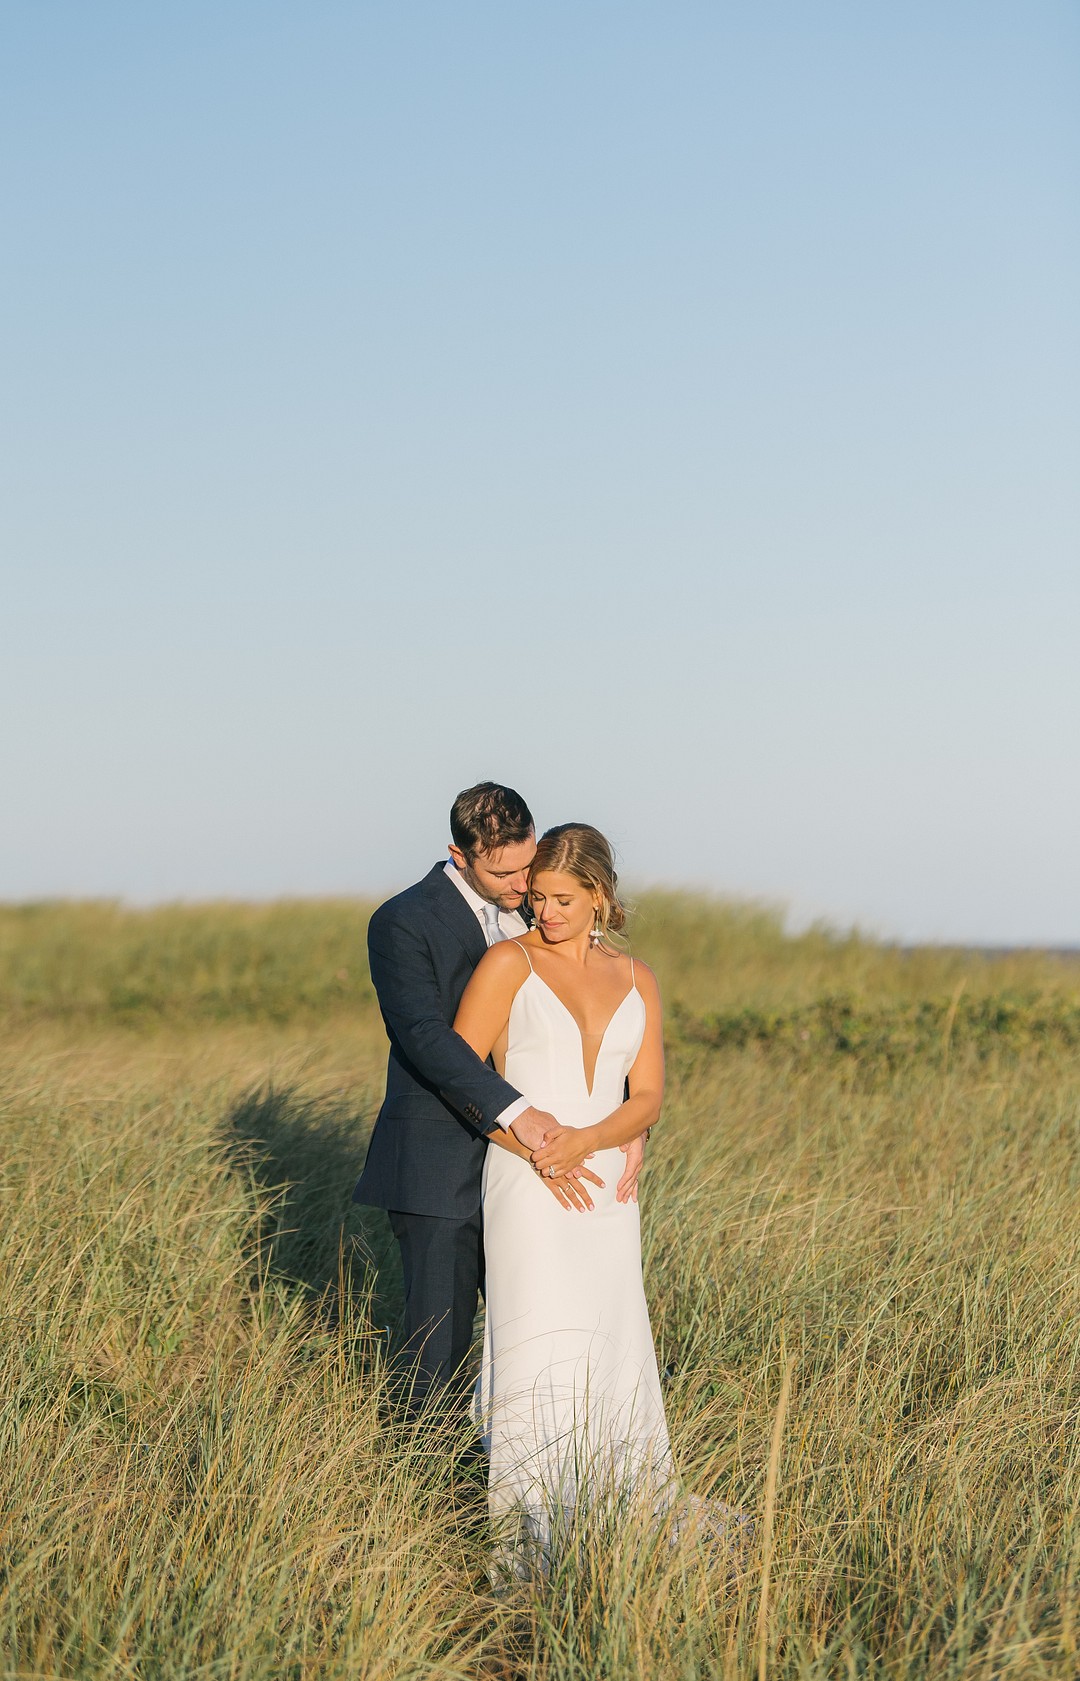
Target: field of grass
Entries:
(865, 1183)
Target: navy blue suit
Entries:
(426, 1154)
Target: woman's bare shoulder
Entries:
(644, 978)
(504, 961)
(631, 968)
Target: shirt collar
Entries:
(469, 894)
(472, 897)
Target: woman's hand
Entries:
(563, 1150)
(571, 1191)
(626, 1189)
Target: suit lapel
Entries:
(448, 905)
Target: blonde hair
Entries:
(579, 850)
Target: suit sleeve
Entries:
(404, 981)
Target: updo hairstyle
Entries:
(579, 850)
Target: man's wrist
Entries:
(511, 1113)
(530, 1128)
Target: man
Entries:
(426, 1154)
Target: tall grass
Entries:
(280, 961)
(202, 1471)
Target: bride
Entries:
(569, 1394)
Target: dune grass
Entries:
(202, 1470)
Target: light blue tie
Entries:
(491, 925)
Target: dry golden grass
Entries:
(202, 1474)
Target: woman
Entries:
(569, 1393)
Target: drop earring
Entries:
(597, 929)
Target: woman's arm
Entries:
(484, 1012)
(482, 1020)
(567, 1148)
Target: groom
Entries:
(427, 1150)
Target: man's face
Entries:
(500, 876)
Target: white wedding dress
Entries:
(568, 1398)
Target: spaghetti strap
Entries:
(633, 982)
(528, 959)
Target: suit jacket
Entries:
(427, 1150)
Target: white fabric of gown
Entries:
(568, 1398)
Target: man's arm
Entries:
(404, 981)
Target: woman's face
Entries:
(563, 906)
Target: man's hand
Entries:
(532, 1127)
(570, 1190)
(626, 1189)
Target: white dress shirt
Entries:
(512, 926)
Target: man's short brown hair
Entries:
(487, 817)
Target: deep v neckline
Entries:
(567, 1011)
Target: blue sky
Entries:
(671, 410)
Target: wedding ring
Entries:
(551, 1172)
